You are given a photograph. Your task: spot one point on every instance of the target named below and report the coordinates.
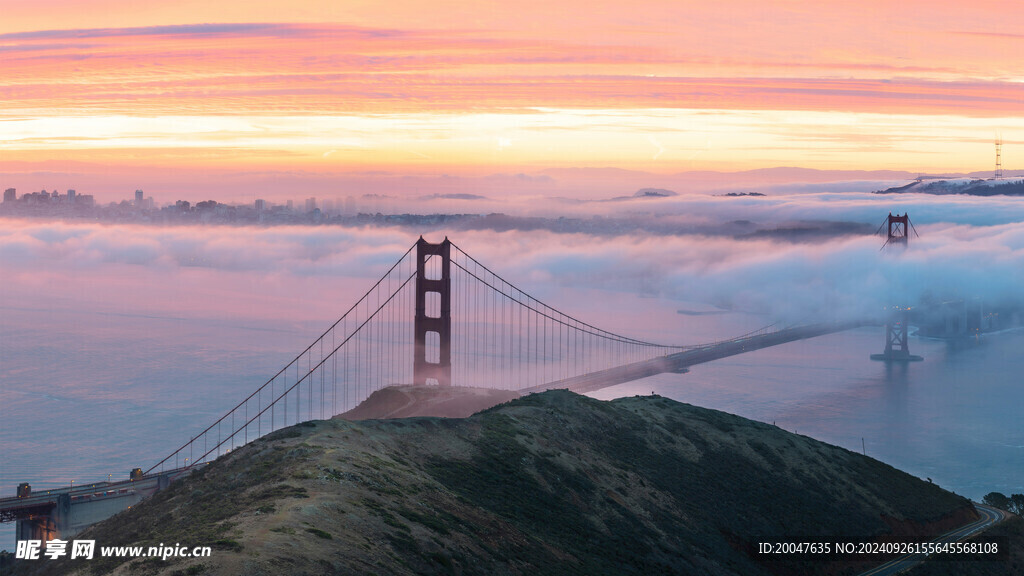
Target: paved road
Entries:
(681, 361)
(989, 517)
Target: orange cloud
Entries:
(323, 69)
(413, 83)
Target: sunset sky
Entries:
(104, 93)
(529, 108)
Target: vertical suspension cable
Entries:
(379, 345)
(519, 347)
(563, 342)
(529, 350)
(455, 293)
(366, 350)
(464, 316)
(501, 345)
(334, 380)
(391, 338)
(536, 347)
(321, 383)
(466, 324)
(346, 379)
(576, 349)
(476, 326)
(492, 368)
(357, 381)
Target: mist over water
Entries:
(120, 342)
(954, 418)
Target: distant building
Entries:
(10, 195)
(138, 198)
(260, 205)
(310, 204)
(71, 196)
(291, 206)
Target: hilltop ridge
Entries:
(1007, 186)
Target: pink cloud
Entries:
(231, 68)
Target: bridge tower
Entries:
(999, 157)
(898, 229)
(898, 226)
(438, 329)
(896, 349)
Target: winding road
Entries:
(989, 517)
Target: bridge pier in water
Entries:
(43, 527)
(896, 347)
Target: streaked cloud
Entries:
(229, 30)
(323, 68)
(432, 82)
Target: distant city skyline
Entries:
(227, 96)
(553, 184)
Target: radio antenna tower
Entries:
(999, 156)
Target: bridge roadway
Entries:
(680, 362)
(64, 512)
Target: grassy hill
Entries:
(552, 483)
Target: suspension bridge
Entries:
(436, 317)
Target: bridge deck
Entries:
(16, 507)
(681, 361)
